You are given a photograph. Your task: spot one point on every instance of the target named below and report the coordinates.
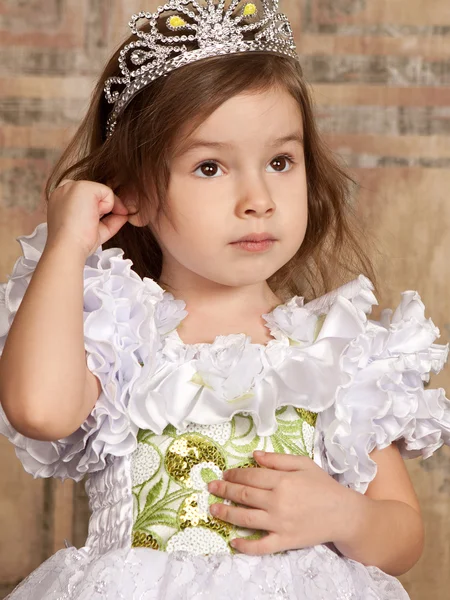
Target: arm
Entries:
(384, 527)
(46, 389)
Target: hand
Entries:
(75, 212)
(292, 499)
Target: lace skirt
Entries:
(144, 574)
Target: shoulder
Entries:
(106, 273)
(381, 398)
(341, 313)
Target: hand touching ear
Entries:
(84, 214)
(128, 198)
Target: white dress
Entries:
(331, 384)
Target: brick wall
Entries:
(381, 79)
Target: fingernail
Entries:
(212, 486)
(259, 452)
(214, 509)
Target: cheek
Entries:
(187, 235)
(295, 216)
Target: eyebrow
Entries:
(199, 143)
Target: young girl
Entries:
(240, 441)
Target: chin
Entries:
(243, 280)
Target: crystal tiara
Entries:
(211, 26)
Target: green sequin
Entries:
(307, 416)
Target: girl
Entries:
(240, 442)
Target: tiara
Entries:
(213, 29)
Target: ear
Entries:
(136, 217)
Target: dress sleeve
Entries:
(120, 335)
(383, 397)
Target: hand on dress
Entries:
(291, 498)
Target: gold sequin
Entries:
(307, 416)
(190, 516)
(251, 464)
(144, 540)
(188, 451)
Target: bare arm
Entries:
(46, 389)
(384, 526)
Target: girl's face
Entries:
(240, 173)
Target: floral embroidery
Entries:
(145, 463)
(171, 497)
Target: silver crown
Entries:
(211, 26)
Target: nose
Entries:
(255, 199)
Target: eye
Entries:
(279, 163)
(208, 170)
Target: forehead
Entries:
(256, 117)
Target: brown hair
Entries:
(137, 156)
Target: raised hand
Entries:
(76, 215)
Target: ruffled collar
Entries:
(208, 383)
(292, 323)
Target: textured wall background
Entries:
(381, 76)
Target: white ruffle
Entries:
(297, 322)
(210, 383)
(120, 332)
(315, 573)
(363, 378)
(384, 400)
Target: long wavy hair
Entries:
(137, 157)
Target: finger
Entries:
(240, 494)
(257, 478)
(269, 544)
(248, 518)
(283, 462)
(108, 202)
(110, 225)
(119, 207)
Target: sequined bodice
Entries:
(170, 473)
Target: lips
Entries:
(256, 237)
